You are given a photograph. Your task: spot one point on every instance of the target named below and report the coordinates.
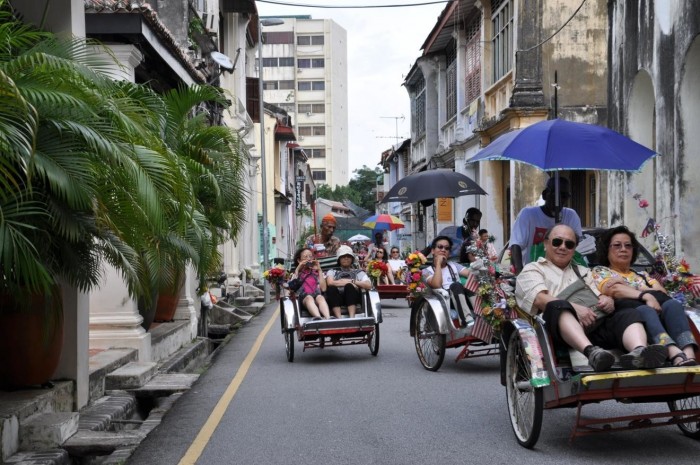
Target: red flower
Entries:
(643, 203)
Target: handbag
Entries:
(660, 296)
(579, 293)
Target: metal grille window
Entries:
(319, 175)
(316, 153)
(418, 107)
(502, 41)
(451, 80)
(311, 85)
(312, 108)
(310, 40)
(312, 130)
(285, 85)
(284, 37)
(318, 63)
(473, 61)
(270, 62)
(270, 85)
(286, 61)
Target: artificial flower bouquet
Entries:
(376, 269)
(276, 275)
(495, 295)
(671, 271)
(413, 275)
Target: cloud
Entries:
(382, 46)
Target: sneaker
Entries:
(600, 359)
(653, 356)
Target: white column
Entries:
(114, 317)
(186, 306)
(74, 354)
(115, 320)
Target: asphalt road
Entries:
(341, 405)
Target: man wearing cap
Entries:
(533, 222)
(343, 284)
(326, 238)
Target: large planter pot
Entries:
(148, 312)
(31, 338)
(168, 298)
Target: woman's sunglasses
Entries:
(442, 247)
(569, 244)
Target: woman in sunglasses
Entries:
(444, 274)
(664, 317)
(397, 264)
(381, 255)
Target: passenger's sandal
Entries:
(685, 361)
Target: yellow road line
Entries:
(202, 439)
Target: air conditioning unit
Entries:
(301, 137)
(308, 113)
(299, 70)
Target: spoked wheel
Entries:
(524, 400)
(373, 341)
(691, 429)
(289, 344)
(430, 344)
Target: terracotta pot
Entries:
(31, 338)
(167, 302)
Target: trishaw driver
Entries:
(326, 238)
(533, 222)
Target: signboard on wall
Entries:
(444, 211)
(298, 192)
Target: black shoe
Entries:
(600, 359)
(653, 356)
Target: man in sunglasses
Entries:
(538, 290)
(533, 222)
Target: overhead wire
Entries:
(399, 5)
(555, 32)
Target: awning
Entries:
(283, 132)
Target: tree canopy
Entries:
(361, 190)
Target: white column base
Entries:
(186, 306)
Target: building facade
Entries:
(305, 73)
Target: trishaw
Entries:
(361, 329)
(539, 376)
(435, 328)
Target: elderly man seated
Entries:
(591, 328)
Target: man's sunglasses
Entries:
(557, 242)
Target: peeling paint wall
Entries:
(659, 39)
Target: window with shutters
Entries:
(502, 41)
(418, 107)
(451, 80)
(473, 61)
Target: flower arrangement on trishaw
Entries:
(444, 316)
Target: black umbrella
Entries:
(430, 185)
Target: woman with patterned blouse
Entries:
(664, 317)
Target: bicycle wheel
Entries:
(525, 402)
(691, 429)
(373, 341)
(289, 344)
(430, 345)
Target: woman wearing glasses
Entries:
(444, 274)
(397, 265)
(664, 317)
(381, 255)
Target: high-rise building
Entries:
(305, 72)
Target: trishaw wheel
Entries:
(289, 344)
(430, 344)
(525, 402)
(691, 429)
(373, 341)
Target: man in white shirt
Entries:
(533, 222)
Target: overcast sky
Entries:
(383, 43)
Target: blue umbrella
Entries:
(564, 145)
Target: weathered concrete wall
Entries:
(658, 38)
